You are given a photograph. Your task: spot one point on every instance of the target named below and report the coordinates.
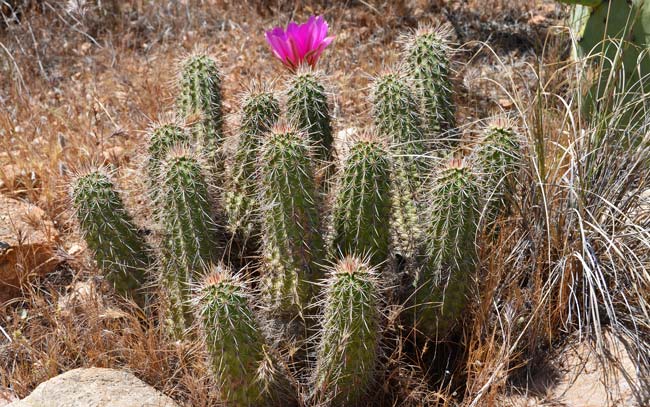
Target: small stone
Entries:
(95, 387)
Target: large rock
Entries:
(27, 241)
(95, 387)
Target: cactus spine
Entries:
(200, 100)
(120, 251)
(429, 67)
(499, 156)
(307, 108)
(291, 242)
(189, 244)
(245, 370)
(348, 347)
(396, 117)
(450, 260)
(362, 204)
(259, 113)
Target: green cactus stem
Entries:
(260, 111)
(189, 243)
(200, 102)
(426, 55)
(499, 157)
(350, 334)
(245, 369)
(307, 108)
(362, 207)
(119, 249)
(291, 242)
(396, 117)
(449, 263)
(162, 137)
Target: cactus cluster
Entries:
(290, 326)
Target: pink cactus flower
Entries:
(300, 43)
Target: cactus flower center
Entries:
(300, 43)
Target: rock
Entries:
(95, 387)
(81, 296)
(27, 241)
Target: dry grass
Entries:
(573, 256)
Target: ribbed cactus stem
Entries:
(350, 334)
(428, 62)
(200, 102)
(120, 251)
(499, 157)
(307, 108)
(246, 371)
(189, 244)
(362, 207)
(443, 286)
(396, 118)
(291, 242)
(162, 137)
(260, 111)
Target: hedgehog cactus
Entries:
(259, 113)
(396, 117)
(189, 244)
(350, 333)
(246, 371)
(362, 203)
(429, 67)
(162, 137)
(307, 108)
(291, 242)
(120, 251)
(450, 259)
(200, 100)
(499, 157)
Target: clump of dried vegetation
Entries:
(571, 259)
